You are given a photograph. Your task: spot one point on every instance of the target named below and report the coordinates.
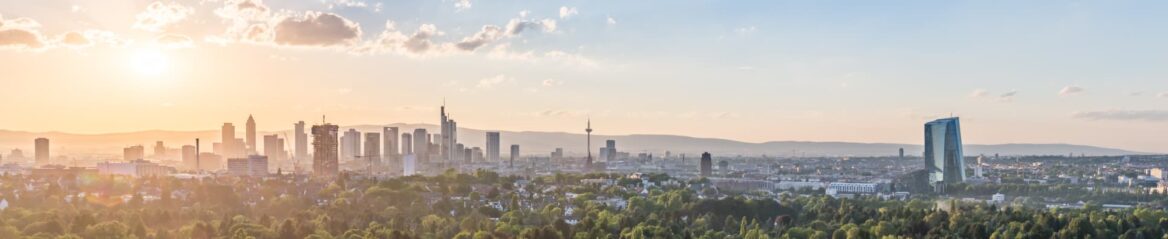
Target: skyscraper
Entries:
(943, 155)
(514, 154)
(493, 146)
(324, 150)
(132, 153)
(707, 165)
(301, 141)
(350, 145)
(41, 152)
(390, 151)
(274, 148)
(159, 150)
(610, 145)
(228, 146)
(407, 144)
(372, 147)
(250, 134)
(422, 146)
(189, 156)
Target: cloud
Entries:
(566, 12)
(487, 34)
(551, 82)
(746, 30)
(1124, 115)
(1008, 96)
(517, 25)
(1163, 94)
(20, 33)
(979, 93)
(75, 40)
(375, 7)
(610, 21)
(316, 29)
(1070, 90)
(159, 15)
(491, 82)
(419, 43)
(562, 113)
(174, 41)
(462, 4)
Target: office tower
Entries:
(493, 146)
(943, 155)
(589, 147)
(901, 153)
(274, 148)
(610, 145)
(409, 164)
(252, 166)
(422, 146)
(707, 165)
(133, 153)
(159, 150)
(448, 136)
(250, 133)
(473, 154)
(372, 147)
(324, 150)
(460, 153)
(389, 152)
(228, 138)
(41, 152)
(514, 154)
(301, 141)
(190, 156)
(350, 145)
(407, 144)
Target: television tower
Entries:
(589, 131)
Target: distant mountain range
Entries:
(542, 143)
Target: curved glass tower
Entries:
(943, 156)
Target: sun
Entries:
(149, 62)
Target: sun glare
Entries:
(149, 62)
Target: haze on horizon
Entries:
(1016, 72)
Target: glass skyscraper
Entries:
(943, 156)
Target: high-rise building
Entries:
(707, 165)
(943, 155)
(274, 148)
(210, 162)
(189, 156)
(901, 153)
(407, 144)
(41, 152)
(252, 166)
(409, 164)
(372, 147)
(227, 146)
(448, 136)
(514, 155)
(250, 133)
(324, 150)
(493, 146)
(132, 153)
(350, 145)
(159, 150)
(610, 146)
(422, 146)
(389, 152)
(301, 141)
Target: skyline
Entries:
(1079, 73)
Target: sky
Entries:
(1080, 72)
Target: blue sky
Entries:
(1085, 72)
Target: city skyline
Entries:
(186, 73)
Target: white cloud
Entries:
(1163, 94)
(566, 12)
(462, 4)
(979, 93)
(21, 34)
(1008, 96)
(745, 30)
(158, 16)
(491, 82)
(1070, 90)
(551, 82)
(315, 29)
(610, 21)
